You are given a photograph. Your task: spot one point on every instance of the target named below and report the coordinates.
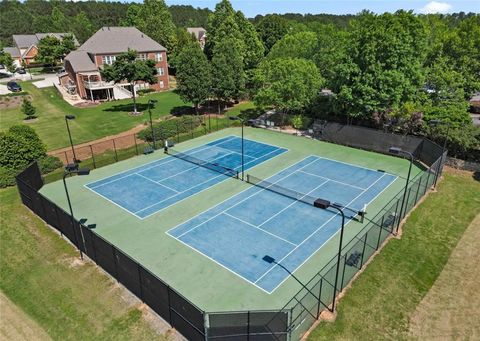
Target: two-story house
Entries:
(200, 35)
(82, 66)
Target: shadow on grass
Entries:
(182, 110)
(127, 107)
(476, 175)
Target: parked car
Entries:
(14, 87)
(21, 71)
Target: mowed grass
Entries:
(380, 303)
(91, 123)
(69, 299)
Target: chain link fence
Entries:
(304, 308)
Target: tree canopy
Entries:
(127, 67)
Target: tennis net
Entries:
(203, 163)
(270, 186)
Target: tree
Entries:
(384, 64)
(287, 84)
(28, 109)
(127, 67)
(58, 22)
(51, 49)
(81, 27)
(227, 70)
(271, 29)
(222, 25)
(193, 75)
(184, 39)
(254, 49)
(298, 45)
(153, 19)
(7, 61)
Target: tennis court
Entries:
(145, 190)
(276, 217)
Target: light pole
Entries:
(448, 124)
(150, 102)
(70, 171)
(236, 118)
(325, 204)
(272, 260)
(400, 151)
(69, 118)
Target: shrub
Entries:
(49, 164)
(142, 92)
(301, 122)
(7, 177)
(28, 109)
(19, 146)
(170, 128)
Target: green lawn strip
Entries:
(41, 274)
(381, 300)
(91, 123)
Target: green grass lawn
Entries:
(382, 300)
(91, 123)
(70, 300)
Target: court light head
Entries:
(69, 117)
(83, 171)
(268, 259)
(322, 203)
(395, 150)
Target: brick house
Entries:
(82, 66)
(26, 49)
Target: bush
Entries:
(19, 146)
(170, 128)
(7, 177)
(28, 109)
(49, 164)
(301, 122)
(142, 92)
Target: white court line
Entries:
(273, 151)
(293, 203)
(218, 263)
(314, 232)
(250, 224)
(352, 164)
(155, 182)
(333, 235)
(238, 203)
(339, 182)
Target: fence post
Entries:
(248, 325)
(135, 141)
(428, 178)
(363, 250)
(343, 272)
(394, 221)
(418, 189)
(319, 296)
(115, 149)
(140, 281)
(93, 156)
(191, 127)
(380, 234)
(115, 260)
(178, 132)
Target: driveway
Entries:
(50, 80)
(4, 90)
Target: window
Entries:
(108, 59)
(142, 56)
(161, 84)
(158, 57)
(161, 71)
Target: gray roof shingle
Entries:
(80, 61)
(13, 51)
(118, 40)
(24, 41)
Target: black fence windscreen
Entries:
(296, 316)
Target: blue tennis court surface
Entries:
(152, 187)
(238, 232)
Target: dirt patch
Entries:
(16, 325)
(11, 102)
(451, 309)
